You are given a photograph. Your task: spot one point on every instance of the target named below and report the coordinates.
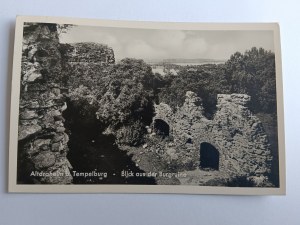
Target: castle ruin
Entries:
(233, 141)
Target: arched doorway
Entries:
(161, 128)
(209, 156)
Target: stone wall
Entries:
(42, 141)
(90, 53)
(234, 131)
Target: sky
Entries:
(152, 44)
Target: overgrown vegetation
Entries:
(251, 73)
(126, 91)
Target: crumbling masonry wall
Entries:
(42, 139)
(234, 131)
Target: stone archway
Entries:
(161, 127)
(209, 156)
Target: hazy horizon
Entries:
(156, 45)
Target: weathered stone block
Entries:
(58, 138)
(28, 114)
(42, 144)
(44, 160)
(55, 147)
(60, 129)
(26, 131)
(33, 104)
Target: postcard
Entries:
(103, 106)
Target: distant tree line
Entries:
(251, 73)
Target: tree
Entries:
(205, 80)
(253, 73)
(63, 28)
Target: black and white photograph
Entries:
(147, 107)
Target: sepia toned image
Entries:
(106, 106)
